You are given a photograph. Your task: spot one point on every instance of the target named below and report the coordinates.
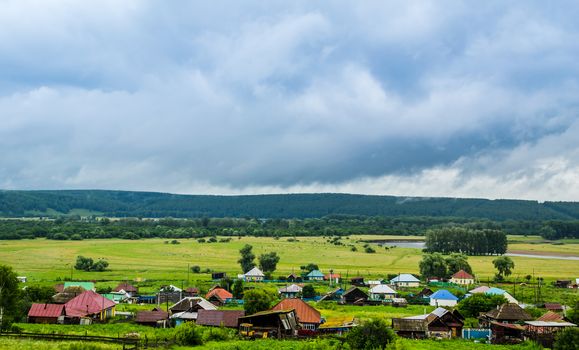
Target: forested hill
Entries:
(149, 204)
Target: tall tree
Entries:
(456, 262)
(504, 266)
(433, 265)
(268, 262)
(373, 334)
(9, 295)
(247, 258)
(256, 300)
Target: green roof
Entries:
(315, 273)
(85, 285)
(114, 296)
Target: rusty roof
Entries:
(305, 312)
(46, 310)
(551, 316)
(87, 303)
(126, 287)
(151, 316)
(218, 318)
(509, 312)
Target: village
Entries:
(294, 313)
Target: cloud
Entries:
(429, 98)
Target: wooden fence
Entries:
(127, 342)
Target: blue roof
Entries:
(315, 273)
(495, 291)
(443, 294)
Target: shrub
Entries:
(201, 240)
(374, 334)
(188, 334)
(76, 237)
(195, 269)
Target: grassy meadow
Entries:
(152, 259)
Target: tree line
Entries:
(466, 240)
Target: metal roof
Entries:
(382, 289)
(87, 303)
(443, 294)
(46, 310)
(404, 277)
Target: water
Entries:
(541, 256)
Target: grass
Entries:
(11, 344)
(151, 259)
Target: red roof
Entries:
(46, 310)
(305, 313)
(218, 318)
(87, 303)
(550, 316)
(462, 275)
(553, 306)
(219, 292)
(332, 275)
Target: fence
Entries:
(476, 333)
(127, 342)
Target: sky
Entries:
(411, 98)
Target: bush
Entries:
(567, 339)
(374, 334)
(369, 250)
(175, 242)
(76, 237)
(212, 239)
(196, 269)
(188, 334)
(60, 237)
(201, 240)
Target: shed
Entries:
(45, 313)
(155, 318)
(277, 323)
(354, 295)
(219, 318)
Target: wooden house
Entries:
(127, 288)
(405, 280)
(290, 291)
(307, 316)
(186, 310)
(315, 275)
(545, 332)
(382, 292)
(354, 295)
(269, 324)
(507, 313)
(219, 296)
(254, 275)
(219, 318)
(155, 318)
(440, 323)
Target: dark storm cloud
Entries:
(373, 97)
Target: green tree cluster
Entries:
(440, 266)
(466, 240)
(88, 264)
(370, 335)
(256, 300)
(480, 302)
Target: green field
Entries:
(152, 259)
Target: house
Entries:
(45, 313)
(117, 297)
(381, 292)
(90, 304)
(155, 318)
(357, 281)
(187, 309)
(462, 278)
(373, 283)
(506, 333)
(67, 294)
(219, 318)
(425, 293)
(443, 298)
(294, 278)
(333, 278)
(354, 295)
(563, 284)
(498, 291)
(84, 285)
(21, 279)
(191, 292)
(440, 323)
(337, 325)
(399, 302)
(290, 291)
(481, 289)
(219, 296)
(315, 275)
(269, 324)
(307, 316)
(254, 275)
(218, 275)
(169, 294)
(506, 313)
(127, 288)
(544, 332)
(551, 316)
(334, 295)
(554, 307)
(405, 280)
